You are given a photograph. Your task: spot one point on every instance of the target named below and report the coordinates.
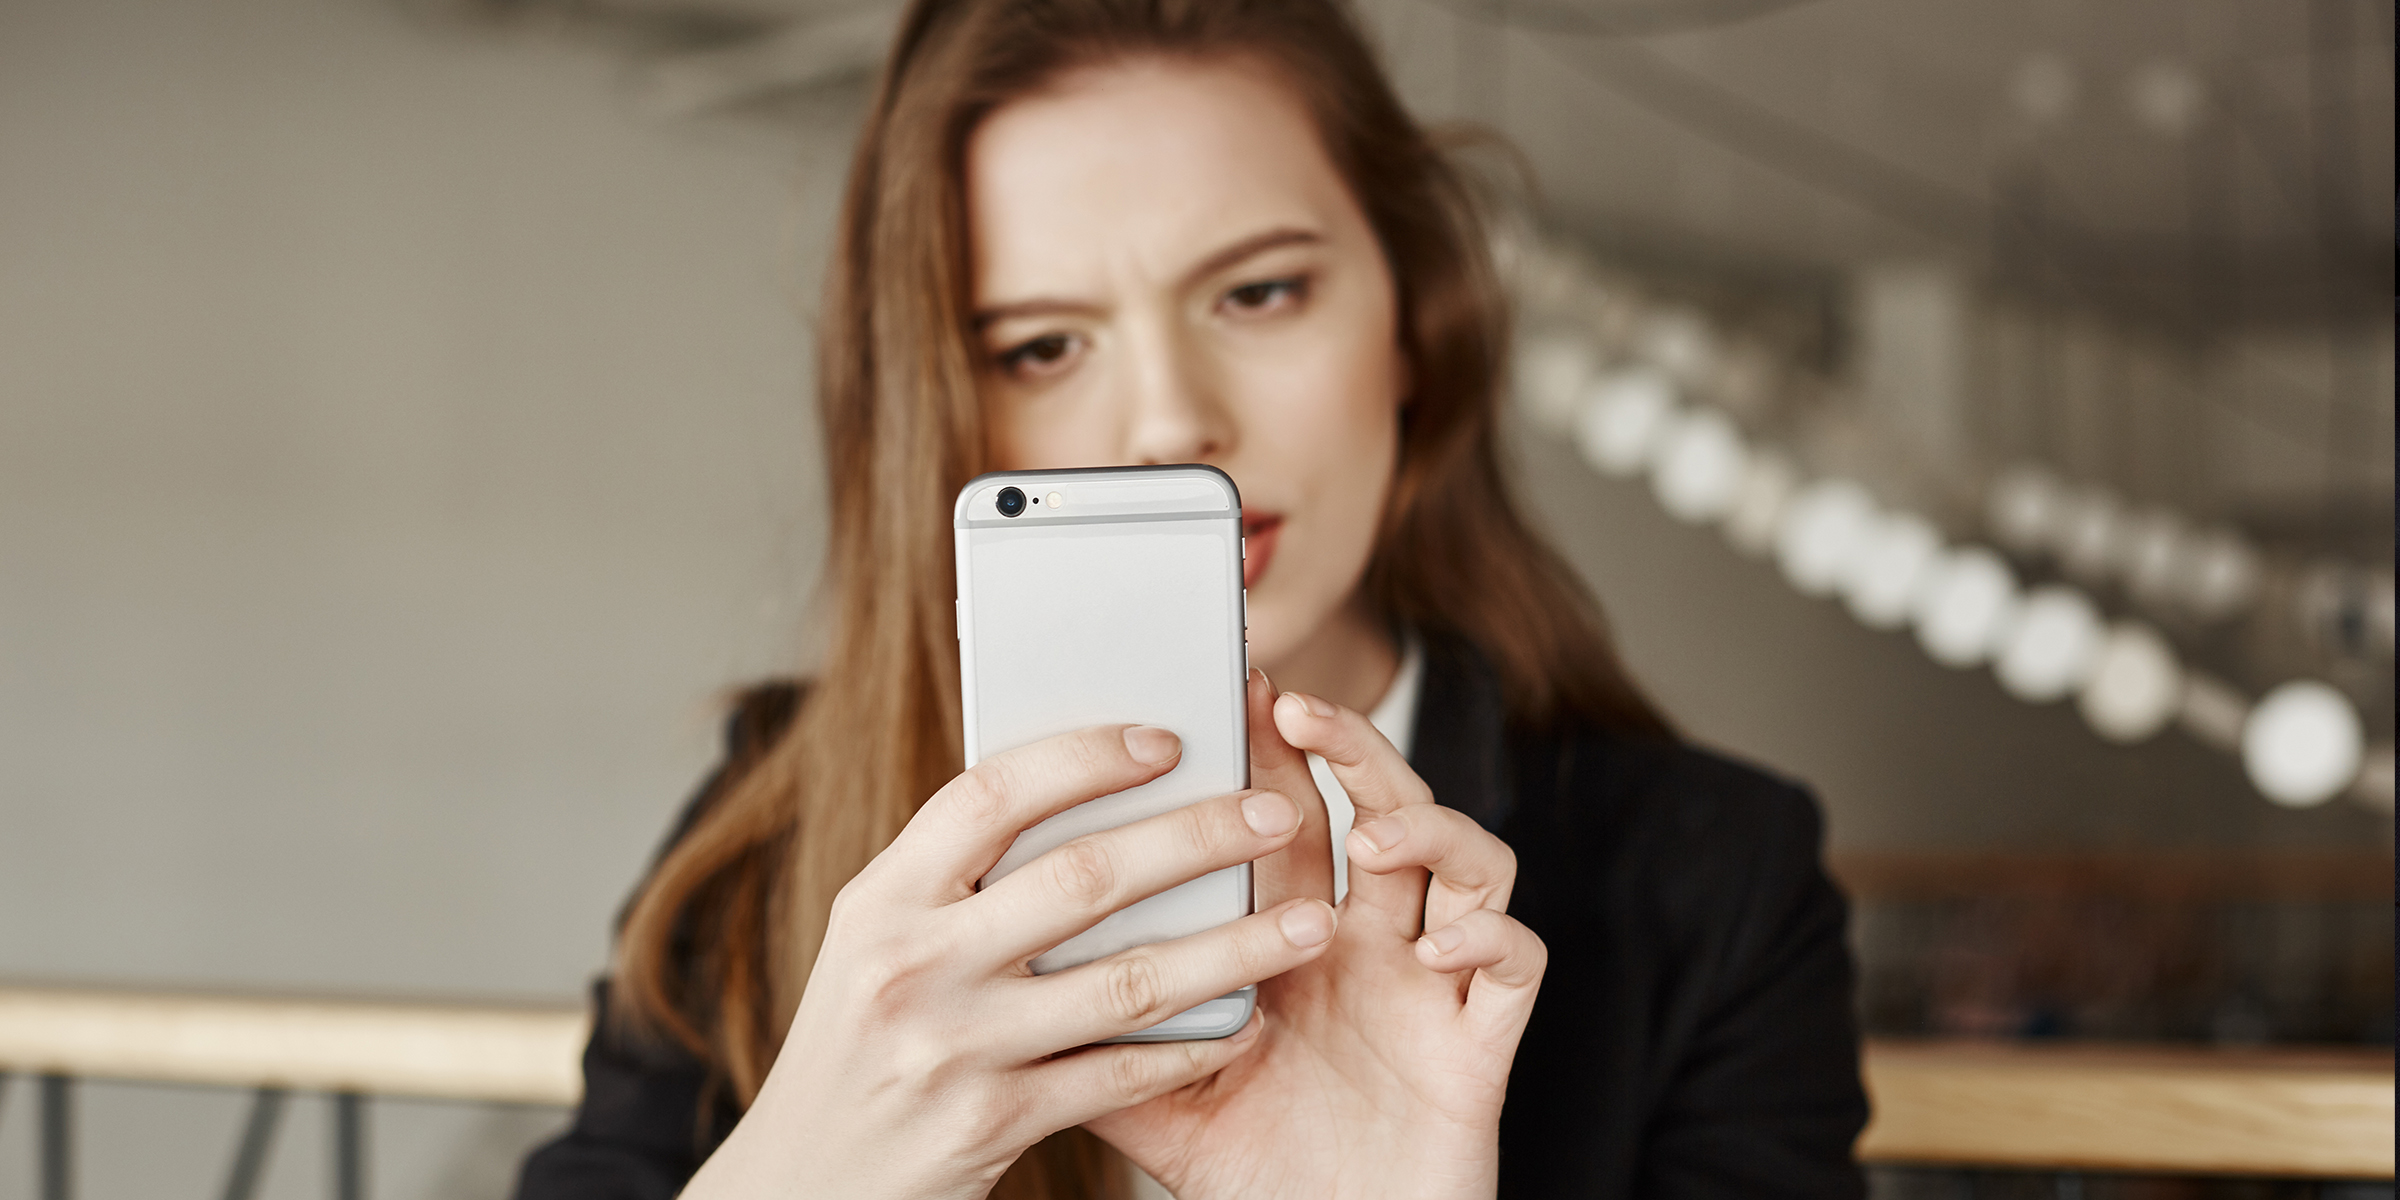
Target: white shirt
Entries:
(1395, 717)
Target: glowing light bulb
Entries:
(2167, 97)
(1892, 568)
(1679, 343)
(1701, 461)
(2302, 744)
(2224, 575)
(1622, 414)
(2051, 646)
(1549, 371)
(2022, 509)
(1822, 532)
(1965, 606)
(2156, 550)
(2136, 684)
(2043, 88)
(1767, 486)
(2090, 534)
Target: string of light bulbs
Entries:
(1630, 412)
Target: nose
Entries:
(1177, 415)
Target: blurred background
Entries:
(1981, 411)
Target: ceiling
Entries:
(2190, 161)
(2185, 163)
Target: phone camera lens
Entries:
(1012, 502)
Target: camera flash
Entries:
(1055, 499)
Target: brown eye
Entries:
(1267, 295)
(1035, 355)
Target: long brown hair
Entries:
(717, 946)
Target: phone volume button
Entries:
(958, 620)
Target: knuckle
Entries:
(921, 1062)
(1132, 1076)
(849, 903)
(887, 981)
(1084, 873)
(1475, 847)
(1536, 950)
(1098, 753)
(980, 796)
(1202, 830)
(1530, 953)
(1256, 957)
(861, 913)
(1134, 993)
(988, 1111)
(1537, 962)
(1506, 859)
(893, 971)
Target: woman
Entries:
(1082, 232)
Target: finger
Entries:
(1135, 989)
(1471, 868)
(961, 832)
(1507, 960)
(1070, 889)
(1091, 1083)
(1373, 771)
(1304, 868)
(1379, 782)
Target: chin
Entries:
(1275, 634)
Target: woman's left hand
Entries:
(1384, 1061)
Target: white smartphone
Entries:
(1098, 596)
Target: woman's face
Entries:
(1168, 268)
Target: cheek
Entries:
(1324, 396)
(1058, 428)
(1322, 429)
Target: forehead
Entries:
(1141, 168)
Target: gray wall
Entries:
(402, 442)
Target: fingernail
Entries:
(1258, 678)
(1150, 744)
(1269, 814)
(1380, 834)
(1306, 925)
(1315, 707)
(1446, 939)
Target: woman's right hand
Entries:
(926, 1056)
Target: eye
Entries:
(1267, 295)
(1038, 356)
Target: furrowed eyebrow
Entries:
(1039, 306)
(1255, 244)
(1249, 247)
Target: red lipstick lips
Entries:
(1259, 532)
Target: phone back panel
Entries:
(1121, 603)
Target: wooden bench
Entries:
(2287, 1113)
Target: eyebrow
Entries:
(1232, 255)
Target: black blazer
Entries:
(1694, 1034)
